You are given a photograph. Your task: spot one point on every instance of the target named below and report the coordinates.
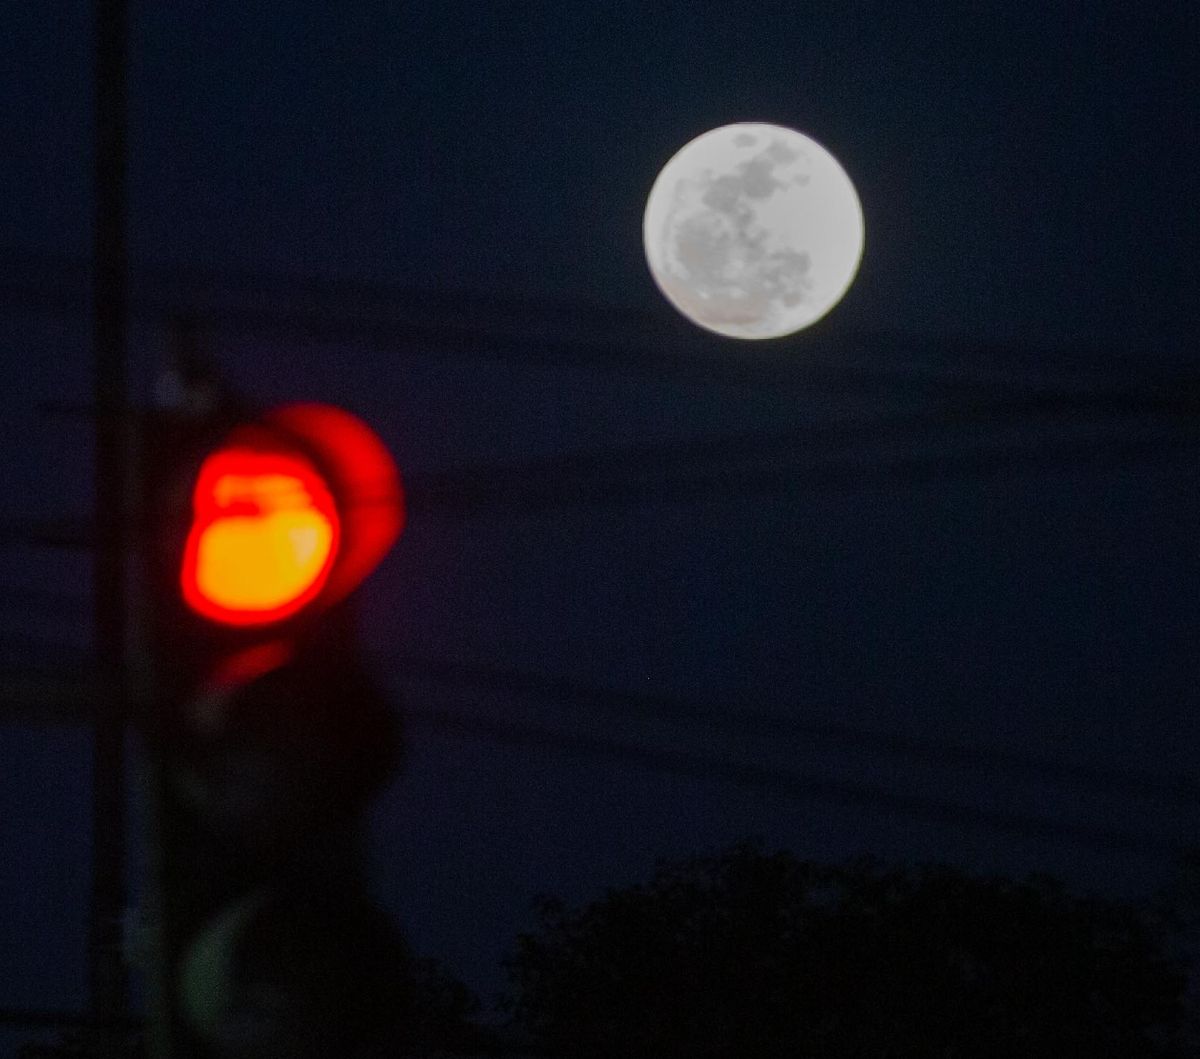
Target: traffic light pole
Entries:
(266, 735)
(108, 989)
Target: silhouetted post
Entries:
(106, 968)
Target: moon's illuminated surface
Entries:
(753, 231)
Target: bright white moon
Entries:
(753, 231)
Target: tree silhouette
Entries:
(1177, 909)
(754, 955)
(441, 1014)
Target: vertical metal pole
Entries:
(152, 957)
(107, 977)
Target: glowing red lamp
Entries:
(296, 509)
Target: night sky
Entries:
(469, 178)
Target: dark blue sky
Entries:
(1027, 174)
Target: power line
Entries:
(553, 332)
(1055, 409)
(730, 718)
(523, 684)
(677, 474)
(790, 783)
(761, 778)
(526, 489)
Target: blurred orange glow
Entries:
(264, 537)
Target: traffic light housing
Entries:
(267, 734)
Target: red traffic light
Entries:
(264, 537)
(288, 511)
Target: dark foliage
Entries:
(754, 955)
(441, 1014)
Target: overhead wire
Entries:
(572, 696)
(741, 719)
(508, 491)
(828, 456)
(551, 332)
(697, 469)
(701, 469)
(766, 779)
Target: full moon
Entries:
(753, 231)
